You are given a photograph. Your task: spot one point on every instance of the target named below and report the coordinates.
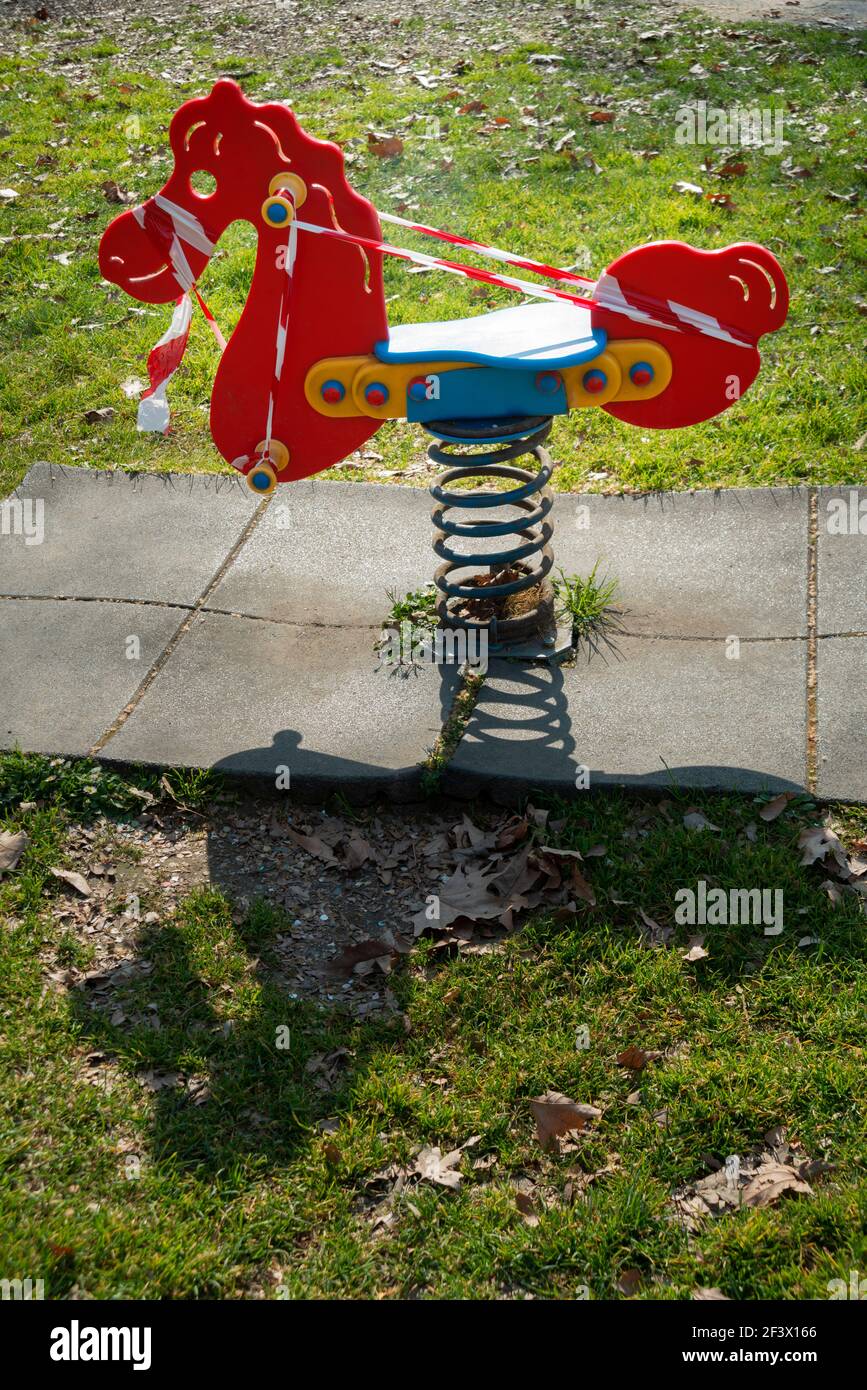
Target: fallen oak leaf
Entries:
(313, 845)
(75, 880)
(774, 808)
(770, 1183)
(636, 1058)
(384, 146)
(12, 846)
(431, 1165)
(556, 1114)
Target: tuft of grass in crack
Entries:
(450, 737)
(418, 610)
(193, 787)
(589, 603)
(417, 607)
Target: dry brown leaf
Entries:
(601, 117)
(636, 1059)
(12, 846)
(777, 806)
(76, 881)
(770, 1182)
(313, 845)
(629, 1282)
(556, 1114)
(710, 1296)
(432, 1165)
(384, 146)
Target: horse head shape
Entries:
(334, 306)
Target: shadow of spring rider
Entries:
(667, 336)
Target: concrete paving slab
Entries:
(249, 697)
(841, 741)
(702, 564)
(116, 535)
(842, 560)
(329, 552)
(64, 670)
(650, 713)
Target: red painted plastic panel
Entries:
(742, 287)
(337, 304)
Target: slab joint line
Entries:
(182, 630)
(812, 748)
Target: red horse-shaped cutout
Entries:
(667, 339)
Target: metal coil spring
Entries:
(533, 496)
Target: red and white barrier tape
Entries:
(678, 318)
(164, 359)
(168, 224)
(493, 253)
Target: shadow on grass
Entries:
(249, 1083)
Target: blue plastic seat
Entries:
(550, 334)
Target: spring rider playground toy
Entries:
(665, 337)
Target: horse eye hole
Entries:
(203, 183)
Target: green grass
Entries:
(116, 1191)
(588, 602)
(68, 341)
(417, 607)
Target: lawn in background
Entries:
(531, 170)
